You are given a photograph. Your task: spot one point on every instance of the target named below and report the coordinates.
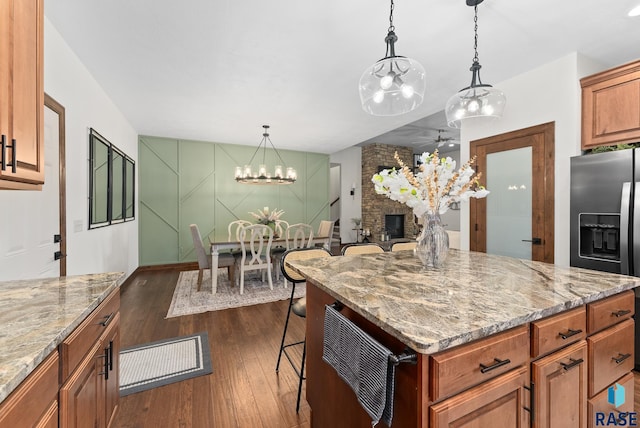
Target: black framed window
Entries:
(111, 183)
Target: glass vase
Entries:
(433, 242)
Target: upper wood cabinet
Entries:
(21, 94)
(611, 107)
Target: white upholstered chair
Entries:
(255, 241)
(326, 229)
(204, 259)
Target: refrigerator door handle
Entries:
(624, 227)
(635, 251)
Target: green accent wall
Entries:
(183, 182)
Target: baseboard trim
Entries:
(175, 266)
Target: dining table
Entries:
(217, 247)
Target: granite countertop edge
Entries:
(564, 299)
(32, 361)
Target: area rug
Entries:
(163, 362)
(187, 301)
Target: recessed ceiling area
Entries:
(217, 70)
(422, 135)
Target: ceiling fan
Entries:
(439, 141)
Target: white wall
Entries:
(351, 206)
(550, 93)
(113, 248)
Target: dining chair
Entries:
(280, 230)
(400, 246)
(361, 249)
(326, 229)
(204, 260)
(299, 235)
(233, 230)
(255, 242)
(299, 308)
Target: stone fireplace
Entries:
(376, 208)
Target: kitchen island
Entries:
(463, 317)
(48, 326)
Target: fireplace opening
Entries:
(394, 225)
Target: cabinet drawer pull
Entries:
(498, 363)
(620, 358)
(569, 333)
(572, 364)
(106, 319)
(621, 313)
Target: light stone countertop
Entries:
(37, 315)
(473, 296)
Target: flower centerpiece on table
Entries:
(430, 192)
(264, 216)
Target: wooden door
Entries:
(539, 141)
(497, 403)
(560, 381)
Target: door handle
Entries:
(534, 241)
(58, 255)
(3, 156)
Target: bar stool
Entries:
(299, 308)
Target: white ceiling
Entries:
(217, 70)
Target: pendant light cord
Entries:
(475, 30)
(391, 35)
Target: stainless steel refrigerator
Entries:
(605, 215)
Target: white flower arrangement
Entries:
(433, 188)
(264, 216)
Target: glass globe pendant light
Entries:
(395, 84)
(477, 99)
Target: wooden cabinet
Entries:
(610, 355)
(560, 388)
(552, 372)
(35, 401)
(459, 368)
(21, 94)
(500, 402)
(90, 369)
(601, 410)
(82, 394)
(611, 106)
(552, 333)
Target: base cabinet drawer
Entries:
(610, 311)
(560, 388)
(500, 402)
(464, 366)
(610, 355)
(557, 331)
(603, 409)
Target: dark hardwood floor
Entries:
(244, 390)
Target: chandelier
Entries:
(395, 84)
(262, 176)
(477, 99)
